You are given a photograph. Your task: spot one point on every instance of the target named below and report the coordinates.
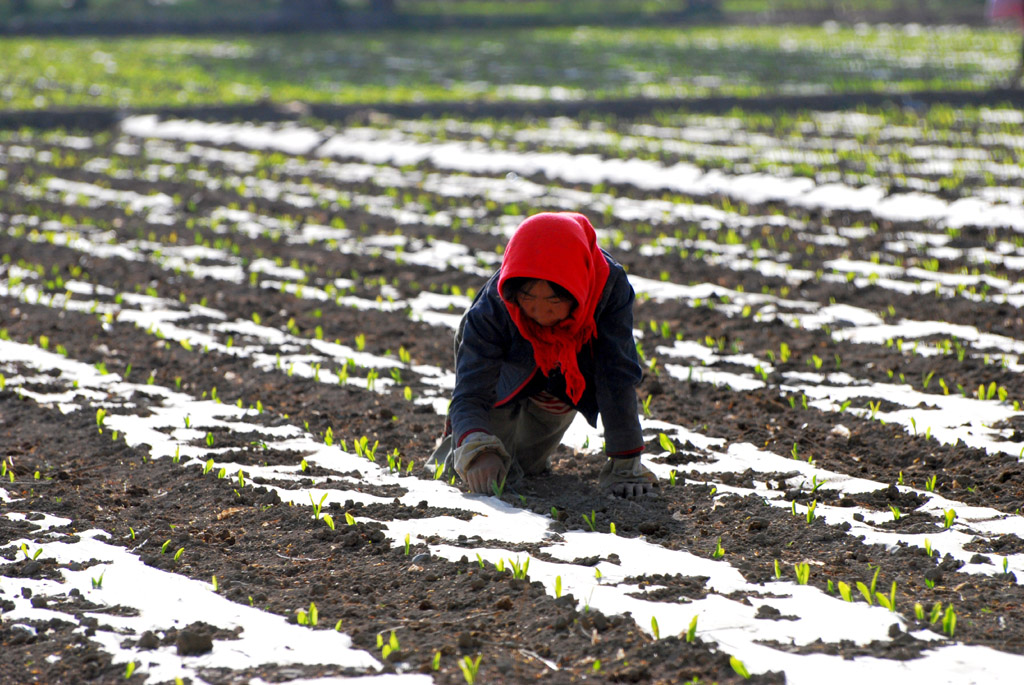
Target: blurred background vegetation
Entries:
(26, 15)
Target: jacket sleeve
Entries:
(619, 370)
(483, 344)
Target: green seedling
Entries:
(889, 602)
(738, 666)
(719, 551)
(611, 528)
(844, 591)
(949, 621)
(329, 520)
(163, 547)
(810, 511)
(469, 668)
(177, 555)
(803, 572)
(646, 405)
(948, 517)
(519, 571)
(406, 544)
(936, 612)
(666, 443)
(592, 521)
(654, 628)
(208, 466)
(209, 439)
(101, 415)
(499, 488)
(436, 663)
(479, 560)
(929, 484)
(438, 471)
(317, 506)
(895, 512)
(97, 583)
(672, 478)
(215, 587)
(386, 648)
(866, 591)
(130, 669)
(308, 618)
(918, 611)
(691, 632)
(558, 586)
(350, 519)
(778, 570)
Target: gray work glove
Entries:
(627, 478)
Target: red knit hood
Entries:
(562, 248)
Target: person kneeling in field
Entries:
(549, 335)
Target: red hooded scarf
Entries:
(562, 248)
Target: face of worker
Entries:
(539, 302)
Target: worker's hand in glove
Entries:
(484, 472)
(627, 478)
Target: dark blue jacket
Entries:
(494, 363)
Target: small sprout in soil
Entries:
(738, 666)
(889, 602)
(129, 669)
(654, 628)
(810, 511)
(436, 663)
(1006, 566)
(611, 528)
(830, 587)
(646, 405)
(215, 583)
(803, 572)
(929, 583)
(928, 547)
(386, 648)
(597, 574)
(469, 669)
(97, 583)
(558, 586)
(666, 443)
(317, 506)
(918, 611)
(223, 473)
(101, 414)
(949, 621)
(329, 520)
(406, 545)
(208, 466)
(866, 591)
(949, 517)
(177, 555)
(498, 488)
(596, 668)
(672, 477)
(592, 521)
(303, 465)
(554, 513)
(438, 471)
(778, 570)
(844, 591)
(815, 483)
(209, 439)
(163, 547)
(929, 484)
(519, 571)
(895, 512)
(691, 632)
(337, 626)
(310, 618)
(350, 519)
(329, 437)
(479, 560)
(719, 551)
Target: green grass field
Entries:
(521, 64)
